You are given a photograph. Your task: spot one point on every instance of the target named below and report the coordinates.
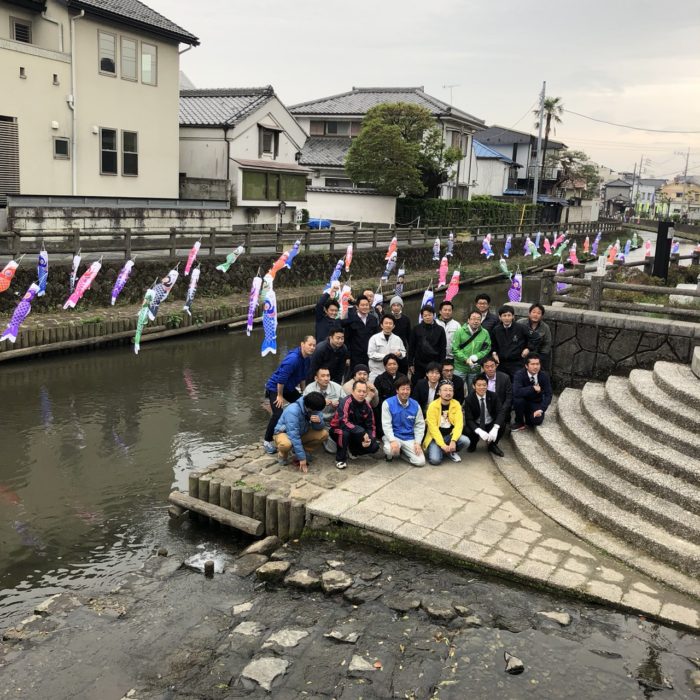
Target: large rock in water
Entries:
(304, 579)
(246, 565)
(335, 581)
(273, 570)
(265, 546)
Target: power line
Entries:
(628, 126)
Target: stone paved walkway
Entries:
(466, 511)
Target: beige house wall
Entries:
(43, 112)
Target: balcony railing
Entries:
(547, 174)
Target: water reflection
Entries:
(93, 442)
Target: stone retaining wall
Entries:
(595, 344)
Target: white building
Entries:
(493, 171)
(247, 138)
(88, 98)
(334, 121)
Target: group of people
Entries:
(421, 392)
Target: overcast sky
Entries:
(633, 62)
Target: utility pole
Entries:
(536, 184)
(685, 182)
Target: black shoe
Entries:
(495, 449)
(515, 427)
(471, 447)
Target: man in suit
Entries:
(499, 383)
(425, 391)
(448, 374)
(331, 353)
(532, 394)
(484, 417)
(509, 342)
(360, 325)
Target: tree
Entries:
(400, 151)
(575, 165)
(553, 109)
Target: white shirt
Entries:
(432, 390)
(532, 376)
(451, 327)
(486, 408)
(378, 348)
(491, 385)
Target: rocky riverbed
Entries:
(322, 622)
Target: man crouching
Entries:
(300, 428)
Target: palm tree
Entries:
(553, 109)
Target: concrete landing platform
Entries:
(470, 512)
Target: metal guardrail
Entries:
(127, 242)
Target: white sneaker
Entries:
(269, 447)
(454, 457)
(341, 465)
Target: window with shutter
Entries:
(9, 158)
(21, 30)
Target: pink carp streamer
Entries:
(8, 272)
(87, 278)
(442, 272)
(453, 287)
(192, 257)
(348, 257)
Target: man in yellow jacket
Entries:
(444, 423)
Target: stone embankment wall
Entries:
(593, 344)
(67, 219)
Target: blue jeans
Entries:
(435, 453)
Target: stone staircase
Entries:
(624, 456)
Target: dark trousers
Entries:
(510, 367)
(290, 396)
(474, 438)
(524, 410)
(353, 442)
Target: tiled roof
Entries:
(270, 165)
(343, 190)
(499, 135)
(221, 106)
(481, 151)
(618, 183)
(359, 100)
(325, 150)
(135, 14)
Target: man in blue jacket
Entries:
(282, 385)
(300, 428)
(532, 394)
(403, 424)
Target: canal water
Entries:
(93, 442)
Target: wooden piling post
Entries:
(204, 481)
(194, 484)
(225, 496)
(283, 510)
(271, 515)
(247, 502)
(214, 491)
(236, 499)
(297, 519)
(259, 506)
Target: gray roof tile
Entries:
(221, 106)
(325, 150)
(359, 100)
(136, 14)
(499, 135)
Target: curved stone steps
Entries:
(654, 424)
(678, 381)
(654, 398)
(578, 429)
(673, 550)
(607, 484)
(635, 441)
(545, 501)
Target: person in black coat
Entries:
(360, 325)
(489, 320)
(532, 394)
(508, 342)
(448, 373)
(428, 344)
(326, 317)
(426, 389)
(332, 354)
(487, 423)
(499, 383)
